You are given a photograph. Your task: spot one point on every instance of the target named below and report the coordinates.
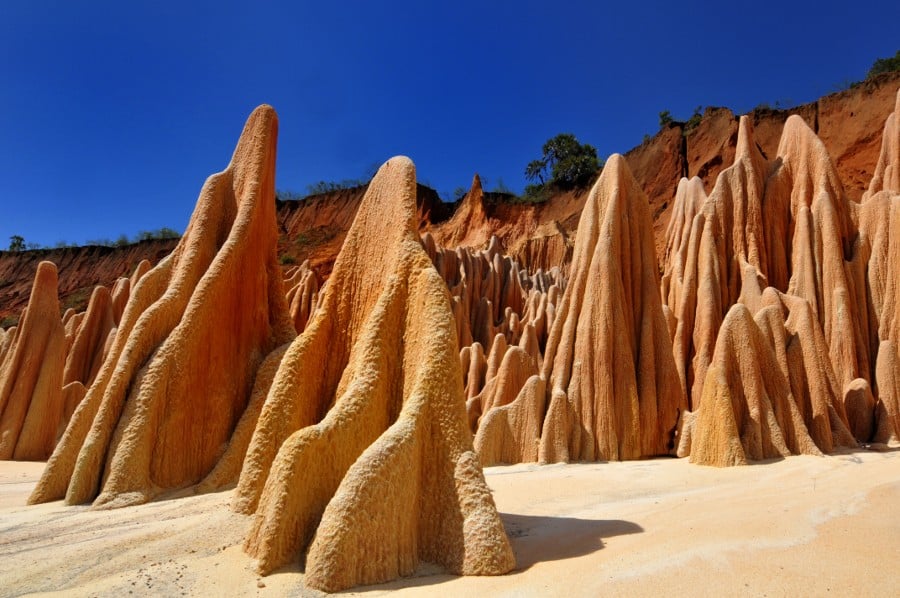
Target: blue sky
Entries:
(114, 113)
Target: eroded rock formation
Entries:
(827, 314)
(361, 457)
(193, 334)
(606, 387)
(302, 286)
(887, 169)
(86, 353)
(770, 390)
(612, 384)
(31, 374)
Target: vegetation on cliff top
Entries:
(17, 242)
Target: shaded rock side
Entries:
(194, 331)
(86, 354)
(302, 298)
(879, 245)
(614, 390)
(361, 457)
(31, 374)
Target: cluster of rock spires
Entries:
(532, 235)
(776, 302)
(348, 442)
(604, 385)
(48, 361)
(776, 285)
(352, 417)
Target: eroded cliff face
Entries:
(778, 298)
(848, 123)
(353, 406)
(80, 270)
(313, 229)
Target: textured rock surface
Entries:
(879, 243)
(828, 318)
(31, 374)
(302, 286)
(769, 391)
(790, 226)
(745, 399)
(179, 375)
(86, 353)
(709, 238)
(613, 386)
(887, 170)
(361, 457)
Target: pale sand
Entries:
(801, 526)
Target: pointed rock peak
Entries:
(799, 140)
(476, 185)
(695, 185)
(691, 192)
(366, 260)
(614, 278)
(689, 199)
(157, 415)
(45, 284)
(474, 199)
(390, 199)
(615, 182)
(746, 143)
(887, 169)
(616, 168)
(259, 135)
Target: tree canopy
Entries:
(565, 163)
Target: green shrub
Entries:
(885, 65)
(535, 194)
(694, 121)
(665, 119)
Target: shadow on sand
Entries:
(534, 539)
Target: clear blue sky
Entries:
(112, 114)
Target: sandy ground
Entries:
(800, 526)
